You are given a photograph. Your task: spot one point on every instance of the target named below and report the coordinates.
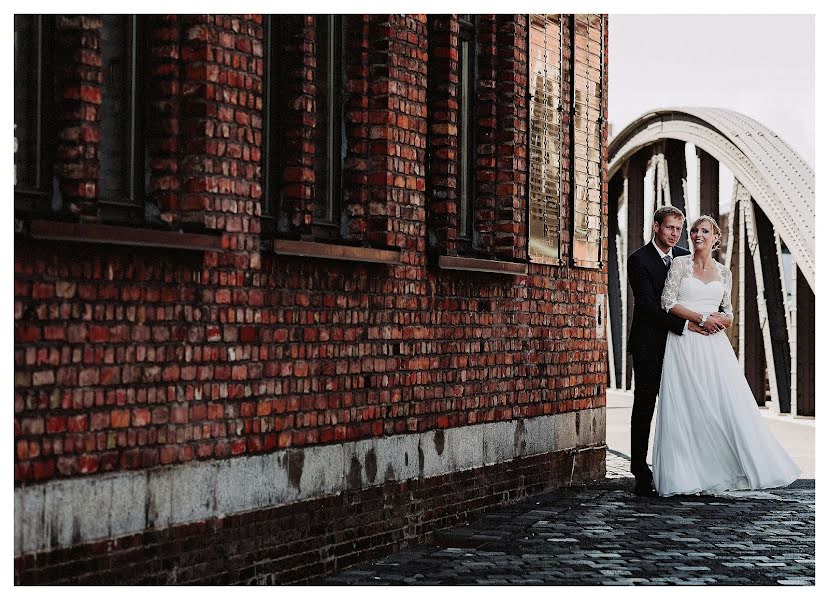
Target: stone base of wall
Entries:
(304, 541)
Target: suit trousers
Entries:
(647, 369)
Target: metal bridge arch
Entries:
(773, 207)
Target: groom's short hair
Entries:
(665, 211)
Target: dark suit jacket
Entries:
(647, 274)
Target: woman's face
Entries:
(703, 235)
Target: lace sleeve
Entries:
(671, 290)
(725, 275)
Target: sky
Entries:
(759, 65)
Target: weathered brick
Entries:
(55, 424)
(135, 357)
(120, 418)
(77, 423)
(140, 417)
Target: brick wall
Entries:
(133, 359)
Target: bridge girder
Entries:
(774, 202)
(778, 179)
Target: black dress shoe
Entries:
(645, 488)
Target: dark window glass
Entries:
(122, 153)
(330, 138)
(466, 129)
(274, 124)
(26, 110)
(33, 90)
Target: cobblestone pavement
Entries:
(605, 535)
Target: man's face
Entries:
(667, 233)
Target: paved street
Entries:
(796, 435)
(601, 534)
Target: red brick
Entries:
(55, 424)
(98, 421)
(179, 414)
(26, 333)
(119, 418)
(168, 454)
(77, 423)
(98, 334)
(54, 333)
(88, 377)
(42, 291)
(43, 378)
(237, 447)
(248, 334)
(43, 469)
(87, 464)
(140, 417)
(262, 351)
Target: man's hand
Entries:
(696, 328)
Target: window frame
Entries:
(467, 125)
(38, 198)
(587, 262)
(562, 203)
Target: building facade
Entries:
(294, 291)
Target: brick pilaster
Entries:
(355, 99)
(511, 138)
(297, 101)
(78, 83)
(397, 119)
(163, 123)
(442, 167)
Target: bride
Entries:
(709, 435)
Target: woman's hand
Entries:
(716, 322)
(696, 328)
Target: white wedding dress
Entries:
(710, 436)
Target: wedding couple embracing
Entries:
(709, 434)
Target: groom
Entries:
(647, 269)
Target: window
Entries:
(586, 141)
(546, 137)
(583, 36)
(33, 93)
(329, 132)
(273, 134)
(467, 77)
(122, 150)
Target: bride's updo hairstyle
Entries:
(715, 227)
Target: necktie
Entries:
(667, 260)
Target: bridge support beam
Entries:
(732, 260)
(635, 171)
(752, 355)
(764, 288)
(709, 184)
(805, 327)
(674, 151)
(615, 285)
(775, 308)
